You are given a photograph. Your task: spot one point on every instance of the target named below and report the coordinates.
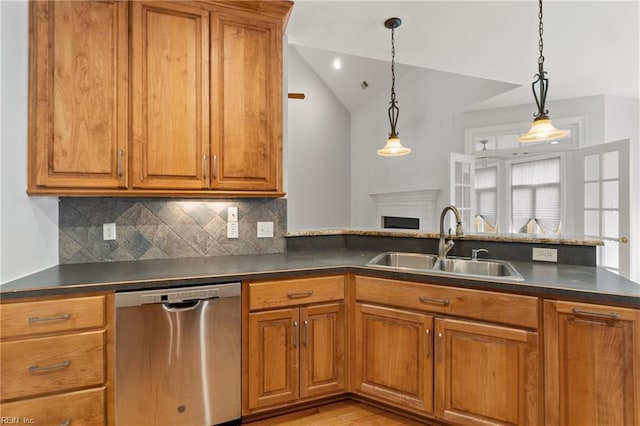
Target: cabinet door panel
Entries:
(170, 96)
(322, 350)
(394, 356)
(592, 364)
(273, 361)
(78, 97)
(247, 102)
(485, 374)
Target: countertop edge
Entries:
(581, 284)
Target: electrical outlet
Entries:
(232, 229)
(265, 229)
(232, 214)
(545, 254)
(108, 231)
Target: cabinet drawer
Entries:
(84, 408)
(48, 316)
(477, 304)
(273, 294)
(51, 364)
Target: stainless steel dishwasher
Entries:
(178, 356)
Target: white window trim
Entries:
(577, 125)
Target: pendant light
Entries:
(541, 129)
(393, 147)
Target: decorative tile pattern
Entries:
(154, 228)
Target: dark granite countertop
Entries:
(571, 282)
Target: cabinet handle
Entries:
(425, 299)
(295, 334)
(304, 335)
(293, 294)
(204, 167)
(120, 155)
(37, 369)
(66, 422)
(428, 345)
(608, 315)
(440, 347)
(63, 317)
(215, 166)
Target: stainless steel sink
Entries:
(403, 260)
(447, 266)
(490, 268)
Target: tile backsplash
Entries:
(157, 228)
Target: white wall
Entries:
(28, 225)
(316, 153)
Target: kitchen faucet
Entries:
(444, 247)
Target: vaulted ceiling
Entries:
(590, 47)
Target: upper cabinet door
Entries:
(246, 87)
(170, 97)
(78, 114)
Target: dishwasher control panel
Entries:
(180, 296)
(177, 295)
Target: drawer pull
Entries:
(608, 315)
(425, 299)
(37, 369)
(66, 422)
(294, 295)
(62, 317)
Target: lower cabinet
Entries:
(485, 374)
(295, 353)
(462, 371)
(57, 361)
(394, 354)
(592, 364)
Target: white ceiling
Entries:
(590, 47)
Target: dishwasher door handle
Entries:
(181, 306)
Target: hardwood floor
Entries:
(343, 413)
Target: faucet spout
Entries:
(445, 246)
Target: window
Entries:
(535, 196)
(534, 188)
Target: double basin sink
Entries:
(461, 267)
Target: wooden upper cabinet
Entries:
(156, 98)
(170, 76)
(246, 87)
(78, 110)
(592, 364)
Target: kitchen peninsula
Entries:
(439, 321)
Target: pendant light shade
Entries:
(393, 146)
(541, 130)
